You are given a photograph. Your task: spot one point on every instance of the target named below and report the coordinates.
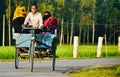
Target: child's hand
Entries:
(41, 27)
(23, 26)
(35, 27)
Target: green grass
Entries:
(7, 52)
(96, 72)
(66, 51)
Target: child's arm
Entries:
(40, 21)
(27, 19)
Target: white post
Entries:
(75, 49)
(119, 45)
(3, 41)
(99, 50)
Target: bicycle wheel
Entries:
(16, 58)
(31, 55)
(54, 45)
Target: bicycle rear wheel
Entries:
(53, 62)
(54, 45)
(16, 58)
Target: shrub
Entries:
(118, 71)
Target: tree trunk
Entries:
(84, 38)
(28, 7)
(93, 26)
(63, 42)
(93, 32)
(106, 45)
(67, 33)
(3, 44)
(114, 35)
(9, 23)
(88, 35)
(71, 35)
(80, 30)
(61, 37)
(110, 36)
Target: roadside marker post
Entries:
(99, 50)
(75, 48)
(119, 45)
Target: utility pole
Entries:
(9, 23)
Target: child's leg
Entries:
(42, 36)
(43, 32)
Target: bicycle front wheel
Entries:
(32, 48)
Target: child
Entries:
(50, 22)
(34, 18)
(18, 19)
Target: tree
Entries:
(9, 22)
(2, 12)
(93, 16)
(60, 7)
(85, 18)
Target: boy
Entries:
(34, 18)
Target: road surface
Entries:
(44, 69)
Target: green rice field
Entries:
(66, 51)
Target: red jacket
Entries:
(51, 24)
(50, 20)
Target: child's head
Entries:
(34, 8)
(47, 14)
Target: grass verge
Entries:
(97, 72)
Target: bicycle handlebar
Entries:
(29, 27)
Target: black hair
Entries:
(48, 12)
(34, 4)
(45, 17)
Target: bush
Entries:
(118, 71)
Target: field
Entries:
(86, 51)
(111, 71)
(66, 51)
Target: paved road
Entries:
(43, 68)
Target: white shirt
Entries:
(34, 19)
